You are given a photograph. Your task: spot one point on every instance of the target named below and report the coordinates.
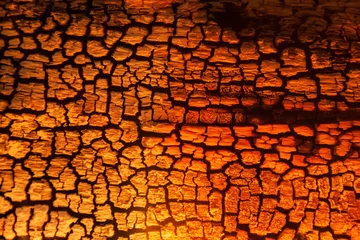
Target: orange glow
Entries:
(179, 119)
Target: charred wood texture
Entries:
(158, 119)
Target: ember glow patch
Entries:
(170, 120)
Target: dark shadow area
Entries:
(235, 16)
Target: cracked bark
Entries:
(165, 120)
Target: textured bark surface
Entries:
(162, 119)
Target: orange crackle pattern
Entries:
(158, 120)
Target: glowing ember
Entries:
(179, 120)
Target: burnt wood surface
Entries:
(172, 119)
